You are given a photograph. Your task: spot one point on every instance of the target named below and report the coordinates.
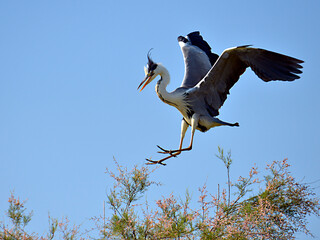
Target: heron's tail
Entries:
(221, 123)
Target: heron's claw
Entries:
(172, 153)
(165, 151)
(162, 149)
(151, 162)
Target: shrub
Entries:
(277, 211)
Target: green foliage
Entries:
(277, 211)
(129, 187)
(227, 163)
(225, 159)
(19, 219)
(16, 213)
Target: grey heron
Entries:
(208, 79)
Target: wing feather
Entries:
(197, 65)
(198, 58)
(213, 89)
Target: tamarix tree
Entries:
(278, 210)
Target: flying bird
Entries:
(208, 79)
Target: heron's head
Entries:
(151, 71)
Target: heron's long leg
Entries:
(184, 127)
(174, 153)
(194, 124)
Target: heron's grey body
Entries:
(208, 79)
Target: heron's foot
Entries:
(151, 162)
(162, 160)
(165, 151)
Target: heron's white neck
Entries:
(162, 84)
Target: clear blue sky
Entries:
(69, 104)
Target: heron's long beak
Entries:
(145, 82)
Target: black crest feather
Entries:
(151, 64)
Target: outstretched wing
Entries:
(213, 89)
(198, 58)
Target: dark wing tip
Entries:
(271, 66)
(194, 34)
(197, 40)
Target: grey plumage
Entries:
(208, 79)
(198, 58)
(269, 66)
